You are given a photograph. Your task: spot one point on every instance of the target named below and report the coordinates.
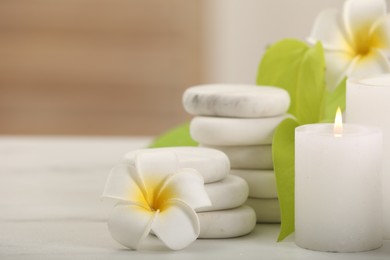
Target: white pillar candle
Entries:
(337, 181)
(368, 102)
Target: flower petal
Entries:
(188, 186)
(380, 33)
(360, 15)
(130, 224)
(156, 166)
(370, 65)
(177, 225)
(329, 30)
(123, 183)
(337, 66)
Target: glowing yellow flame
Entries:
(338, 124)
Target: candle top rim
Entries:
(327, 130)
(381, 80)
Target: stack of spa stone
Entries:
(227, 216)
(240, 121)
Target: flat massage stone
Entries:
(247, 157)
(231, 192)
(267, 210)
(234, 100)
(262, 183)
(227, 223)
(214, 165)
(234, 131)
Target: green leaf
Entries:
(298, 68)
(277, 67)
(179, 136)
(333, 100)
(283, 154)
(311, 86)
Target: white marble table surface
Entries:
(50, 208)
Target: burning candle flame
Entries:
(338, 124)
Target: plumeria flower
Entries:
(155, 196)
(356, 42)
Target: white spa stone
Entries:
(247, 157)
(262, 183)
(212, 164)
(235, 100)
(227, 223)
(234, 131)
(231, 192)
(267, 210)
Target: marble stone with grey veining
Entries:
(234, 131)
(236, 100)
(267, 210)
(262, 183)
(247, 157)
(227, 223)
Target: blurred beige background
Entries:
(117, 67)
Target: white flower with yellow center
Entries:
(155, 196)
(355, 41)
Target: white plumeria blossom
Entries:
(356, 41)
(155, 196)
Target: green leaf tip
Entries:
(283, 154)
